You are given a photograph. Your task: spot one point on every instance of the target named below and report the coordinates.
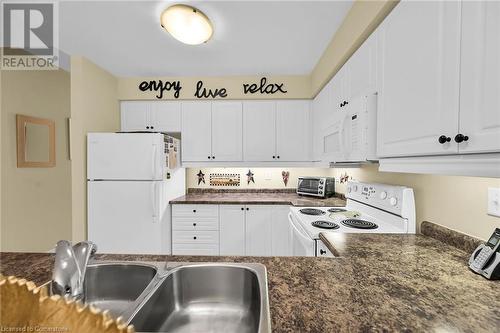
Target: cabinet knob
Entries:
(194, 237)
(147, 127)
(152, 127)
(213, 157)
(443, 139)
(278, 156)
(194, 210)
(346, 102)
(461, 138)
(247, 208)
(194, 224)
(322, 252)
(242, 208)
(274, 156)
(208, 157)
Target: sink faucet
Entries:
(70, 267)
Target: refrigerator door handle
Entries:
(153, 200)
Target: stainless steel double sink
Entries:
(181, 297)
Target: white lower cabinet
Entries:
(230, 230)
(258, 227)
(195, 230)
(280, 231)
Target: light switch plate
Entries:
(494, 201)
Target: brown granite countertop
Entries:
(258, 198)
(383, 283)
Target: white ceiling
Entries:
(250, 37)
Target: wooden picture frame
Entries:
(21, 123)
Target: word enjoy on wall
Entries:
(160, 87)
(201, 92)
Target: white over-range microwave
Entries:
(352, 137)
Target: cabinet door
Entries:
(480, 80)
(232, 230)
(258, 229)
(318, 118)
(280, 231)
(419, 53)
(165, 116)
(196, 131)
(292, 130)
(362, 69)
(227, 131)
(134, 115)
(259, 131)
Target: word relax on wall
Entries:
(202, 92)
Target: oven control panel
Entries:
(395, 199)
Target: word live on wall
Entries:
(160, 87)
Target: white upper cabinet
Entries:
(196, 131)
(227, 131)
(259, 130)
(153, 116)
(165, 116)
(418, 68)
(480, 77)
(134, 115)
(362, 69)
(292, 130)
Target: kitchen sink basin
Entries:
(181, 297)
(116, 286)
(207, 298)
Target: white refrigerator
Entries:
(130, 180)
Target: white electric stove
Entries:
(370, 208)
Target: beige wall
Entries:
(361, 20)
(94, 108)
(296, 87)
(459, 203)
(269, 178)
(35, 202)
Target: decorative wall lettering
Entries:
(224, 179)
(285, 175)
(250, 177)
(264, 87)
(201, 177)
(202, 92)
(159, 86)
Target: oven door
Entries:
(301, 244)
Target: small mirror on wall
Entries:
(36, 142)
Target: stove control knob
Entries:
(383, 195)
(393, 201)
(355, 188)
(348, 190)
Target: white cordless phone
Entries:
(485, 259)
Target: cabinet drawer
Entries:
(195, 210)
(195, 249)
(195, 237)
(195, 223)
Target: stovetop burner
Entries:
(325, 225)
(311, 211)
(336, 210)
(359, 224)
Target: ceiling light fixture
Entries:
(186, 24)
